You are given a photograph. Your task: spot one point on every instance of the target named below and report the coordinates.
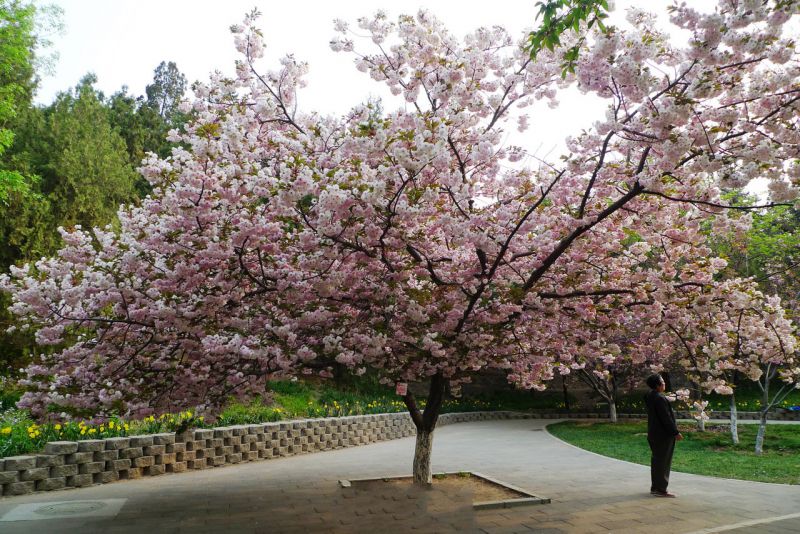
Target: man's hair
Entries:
(654, 381)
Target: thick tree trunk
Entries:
(612, 411)
(762, 430)
(734, 421)
(425, 423)
(422, 457)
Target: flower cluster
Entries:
(413, 241)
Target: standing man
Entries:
(661, 435)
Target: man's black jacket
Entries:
(660, 417)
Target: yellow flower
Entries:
(83, 431)
(126, 426)
(102, 428)
(58, 426)
(92, 431)
(188, 413)
(111, 424)
(6, 431)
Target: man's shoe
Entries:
(662, 494)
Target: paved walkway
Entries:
(299, 494)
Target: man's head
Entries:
(655, 382)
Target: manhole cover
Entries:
(47, 511)
(70, 508)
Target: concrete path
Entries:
(589, 493)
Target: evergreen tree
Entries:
(84, 164)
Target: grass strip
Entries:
(709, 453)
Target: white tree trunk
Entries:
(762, 430)
(422, 457)
(734, 421)
(612, 411)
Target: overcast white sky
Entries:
(122, 41)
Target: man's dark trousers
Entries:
(661, 433)
(660, 462)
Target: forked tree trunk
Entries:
(701, 425)
(762, 430)
(734, 421)
(425, 422)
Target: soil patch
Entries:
(482, 491)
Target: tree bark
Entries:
(425, 422)
(612, 411)
(762, 430)
(422, 457)
(734, 421)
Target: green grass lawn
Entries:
(708, 453)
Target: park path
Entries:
(299, 494)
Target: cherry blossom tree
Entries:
(734, 327)
(417, 242)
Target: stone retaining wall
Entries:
(74, 464)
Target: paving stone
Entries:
(203, 433)
(118, 465)
(50, 484)
(152, 450)
(61, 447)
(223, 432)
(133, 473)
(144, 461)
(176, 447)
(104, 477)
(79, 457)
(91, 468)
(19, 463)
(131, 452)
(198, 464)
(49, 460)
(63, 471)
(91, 445)
(79, 481)
(155, 470)
(106, 455)
(37, 473)
(19, 488)
(7, 477)
(141, 441)
(167, 458)
(117, 443)
(176, 467)
(165, 439)
(189, 455)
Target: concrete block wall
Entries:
(75, 464)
